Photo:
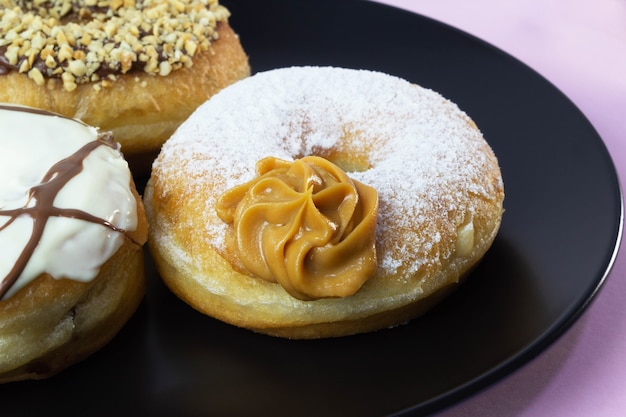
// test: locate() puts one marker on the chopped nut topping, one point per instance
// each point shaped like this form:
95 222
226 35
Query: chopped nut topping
83 41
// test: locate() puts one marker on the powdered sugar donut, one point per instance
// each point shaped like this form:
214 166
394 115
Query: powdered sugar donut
214 208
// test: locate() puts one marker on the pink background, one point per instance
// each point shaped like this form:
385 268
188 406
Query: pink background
579 46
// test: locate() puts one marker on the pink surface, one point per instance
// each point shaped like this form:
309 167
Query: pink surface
579 46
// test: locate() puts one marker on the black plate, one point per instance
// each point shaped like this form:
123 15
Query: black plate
558 240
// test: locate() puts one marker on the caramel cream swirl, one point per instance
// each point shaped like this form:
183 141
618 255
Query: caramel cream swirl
305 225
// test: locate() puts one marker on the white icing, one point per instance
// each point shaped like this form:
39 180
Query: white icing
425 155
69 248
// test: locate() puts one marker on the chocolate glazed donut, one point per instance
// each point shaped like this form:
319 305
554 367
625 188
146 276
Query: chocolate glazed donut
135 68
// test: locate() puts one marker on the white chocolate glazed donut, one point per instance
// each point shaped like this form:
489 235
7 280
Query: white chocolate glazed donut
71 231
440 195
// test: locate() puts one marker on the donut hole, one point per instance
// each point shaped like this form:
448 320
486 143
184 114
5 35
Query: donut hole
348 160
349 165
343 145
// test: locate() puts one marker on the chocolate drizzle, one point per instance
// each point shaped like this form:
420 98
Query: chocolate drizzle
41 200
32 110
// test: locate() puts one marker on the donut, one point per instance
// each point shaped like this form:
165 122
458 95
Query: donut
72 228
312 202
137 68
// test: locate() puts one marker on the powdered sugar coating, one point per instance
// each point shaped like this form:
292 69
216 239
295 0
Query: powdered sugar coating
421 152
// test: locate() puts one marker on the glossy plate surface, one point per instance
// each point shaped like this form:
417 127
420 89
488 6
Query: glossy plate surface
558 240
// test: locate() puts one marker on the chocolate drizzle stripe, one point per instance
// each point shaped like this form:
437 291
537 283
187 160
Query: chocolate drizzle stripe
43 195
31 110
